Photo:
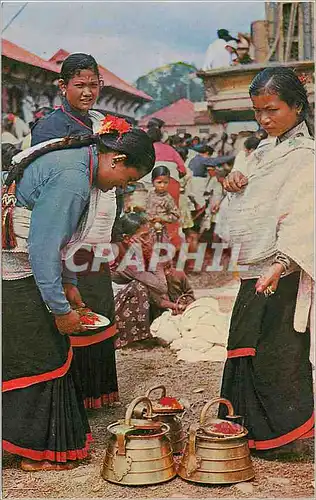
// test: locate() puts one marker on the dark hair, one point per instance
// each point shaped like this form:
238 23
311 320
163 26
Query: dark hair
159 171
205 149
183 152
155 123
285 83
175 140
135 144
261 134
155 134
75 63
225 35
252 142
7 153
130 222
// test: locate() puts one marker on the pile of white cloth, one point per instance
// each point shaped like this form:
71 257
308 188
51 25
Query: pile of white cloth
198 334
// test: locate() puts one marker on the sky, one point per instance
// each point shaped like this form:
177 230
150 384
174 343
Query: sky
129 38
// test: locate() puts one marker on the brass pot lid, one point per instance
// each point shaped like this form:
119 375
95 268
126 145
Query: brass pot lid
165 404
223 429
135 423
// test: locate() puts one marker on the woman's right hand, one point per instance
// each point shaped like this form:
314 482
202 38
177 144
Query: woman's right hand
235 181
73 296
69 323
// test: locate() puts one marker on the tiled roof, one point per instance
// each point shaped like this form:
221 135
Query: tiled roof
179 113
13 51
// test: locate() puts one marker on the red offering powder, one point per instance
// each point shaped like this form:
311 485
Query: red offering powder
87 317
170 402
226 428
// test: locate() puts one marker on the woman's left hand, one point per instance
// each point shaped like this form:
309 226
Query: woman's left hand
73 296
178 309
181 308
270 279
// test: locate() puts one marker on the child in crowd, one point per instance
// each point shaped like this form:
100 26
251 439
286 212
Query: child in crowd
161 208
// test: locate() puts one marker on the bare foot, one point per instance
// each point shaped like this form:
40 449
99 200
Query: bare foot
29 465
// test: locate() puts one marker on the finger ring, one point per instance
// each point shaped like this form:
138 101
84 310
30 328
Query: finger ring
269 291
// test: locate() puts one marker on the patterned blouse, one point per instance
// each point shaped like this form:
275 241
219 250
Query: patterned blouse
162 205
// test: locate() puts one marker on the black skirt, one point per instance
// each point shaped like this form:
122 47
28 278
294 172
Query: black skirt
33 350
43 416
268 377
94 353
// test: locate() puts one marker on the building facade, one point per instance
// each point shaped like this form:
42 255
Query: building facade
184 116
29 82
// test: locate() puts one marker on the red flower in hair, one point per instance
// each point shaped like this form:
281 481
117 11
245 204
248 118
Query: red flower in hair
114 124
11 117
303 78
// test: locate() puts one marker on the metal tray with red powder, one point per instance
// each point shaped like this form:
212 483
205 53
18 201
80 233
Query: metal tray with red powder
92 320
222 428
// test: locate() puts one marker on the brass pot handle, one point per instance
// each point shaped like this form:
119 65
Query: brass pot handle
213 402
193 461
131 407
192 437
154 388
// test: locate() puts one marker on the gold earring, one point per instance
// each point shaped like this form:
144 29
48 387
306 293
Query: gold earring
116 159
298 112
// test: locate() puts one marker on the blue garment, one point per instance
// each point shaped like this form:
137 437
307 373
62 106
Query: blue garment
56 187
199 164
60 124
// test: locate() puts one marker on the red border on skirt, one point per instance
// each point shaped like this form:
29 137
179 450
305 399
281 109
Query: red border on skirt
85 340
22 382
309 434
53 456
300 432
243 351
103 400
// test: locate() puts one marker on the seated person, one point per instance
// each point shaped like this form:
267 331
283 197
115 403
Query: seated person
144 295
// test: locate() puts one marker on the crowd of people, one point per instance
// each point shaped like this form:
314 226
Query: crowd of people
89 179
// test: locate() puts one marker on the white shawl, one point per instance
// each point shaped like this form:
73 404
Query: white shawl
96 225
275 211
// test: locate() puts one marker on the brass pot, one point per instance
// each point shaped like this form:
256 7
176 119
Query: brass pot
170 416
139 451
211 458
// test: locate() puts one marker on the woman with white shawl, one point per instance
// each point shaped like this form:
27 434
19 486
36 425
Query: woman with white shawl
268 374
